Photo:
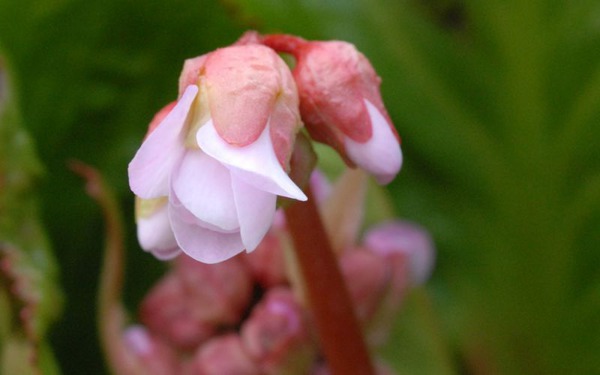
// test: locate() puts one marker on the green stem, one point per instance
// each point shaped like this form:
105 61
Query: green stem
340 335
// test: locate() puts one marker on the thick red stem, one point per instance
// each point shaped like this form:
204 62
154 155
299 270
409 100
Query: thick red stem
339 331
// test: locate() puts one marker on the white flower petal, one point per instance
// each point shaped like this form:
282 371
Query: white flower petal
204 245
203 186
152 164
256 209
381 155
255 163
155 235
166 254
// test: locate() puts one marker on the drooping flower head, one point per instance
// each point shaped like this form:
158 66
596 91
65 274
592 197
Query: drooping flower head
217 161
341 104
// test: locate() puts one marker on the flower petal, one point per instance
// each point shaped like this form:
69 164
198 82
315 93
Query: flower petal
256 209
204 245
380 155
243 83
155 234
166 254
151 166
256 163
203 186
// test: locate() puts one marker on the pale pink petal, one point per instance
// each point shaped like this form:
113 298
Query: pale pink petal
203 186
167 253
381 155
255 212
151 166
155 234
256 163
204 245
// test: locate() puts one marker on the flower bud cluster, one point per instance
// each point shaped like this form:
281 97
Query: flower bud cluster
213 163
245 315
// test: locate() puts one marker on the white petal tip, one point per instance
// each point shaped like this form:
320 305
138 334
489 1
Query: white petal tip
300 196
166 254
381 155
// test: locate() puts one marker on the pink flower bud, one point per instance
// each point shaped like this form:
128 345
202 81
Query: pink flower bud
188 305
168 313
267 262
408 251
277 335
220 155
341 106
223 355
152 357
221 291
406 240
367 277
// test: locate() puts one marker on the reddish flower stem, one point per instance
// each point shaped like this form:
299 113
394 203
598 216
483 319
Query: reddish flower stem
339 331
284 43
111 312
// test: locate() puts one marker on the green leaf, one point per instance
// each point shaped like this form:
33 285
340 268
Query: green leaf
29 293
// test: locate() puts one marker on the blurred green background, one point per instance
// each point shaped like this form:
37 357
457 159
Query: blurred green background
498 106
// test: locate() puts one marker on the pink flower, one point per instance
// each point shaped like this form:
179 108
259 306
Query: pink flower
219 157
341 106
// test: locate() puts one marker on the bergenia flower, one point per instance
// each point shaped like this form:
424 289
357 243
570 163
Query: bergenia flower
220 155
341 106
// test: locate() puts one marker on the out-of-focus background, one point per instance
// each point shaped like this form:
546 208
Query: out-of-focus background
498 106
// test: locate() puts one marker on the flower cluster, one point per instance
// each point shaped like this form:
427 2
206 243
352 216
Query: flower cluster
245 316
213 163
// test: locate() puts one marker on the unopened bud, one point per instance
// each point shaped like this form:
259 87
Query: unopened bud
222 291
404 239
194 299
341 106
267 262
367 277
277 335
152 356
223 355
408 251
167 311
